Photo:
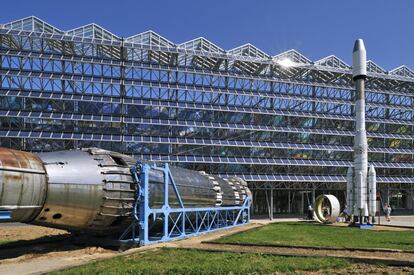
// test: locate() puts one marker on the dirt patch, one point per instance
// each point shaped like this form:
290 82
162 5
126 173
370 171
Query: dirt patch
391 228
19 232
73 252
33 263
366 269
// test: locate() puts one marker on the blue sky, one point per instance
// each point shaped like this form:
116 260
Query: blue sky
316 28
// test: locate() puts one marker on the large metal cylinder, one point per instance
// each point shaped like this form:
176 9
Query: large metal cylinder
198 189
93 190
23 184
90 189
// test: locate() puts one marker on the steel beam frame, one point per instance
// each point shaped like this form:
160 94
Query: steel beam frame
177 223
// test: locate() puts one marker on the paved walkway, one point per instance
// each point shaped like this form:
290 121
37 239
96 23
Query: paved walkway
398 221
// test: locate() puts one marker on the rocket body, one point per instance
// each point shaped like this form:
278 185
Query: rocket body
359 73
360 149
361 191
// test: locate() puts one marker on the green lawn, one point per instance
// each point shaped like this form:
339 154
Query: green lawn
183 261
312 234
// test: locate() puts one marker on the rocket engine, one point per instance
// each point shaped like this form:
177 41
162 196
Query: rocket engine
92 190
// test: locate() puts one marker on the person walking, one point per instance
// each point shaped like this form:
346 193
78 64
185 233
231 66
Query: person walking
387 210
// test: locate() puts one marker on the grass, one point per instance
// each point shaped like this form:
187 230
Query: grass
311 234
5 241
183 261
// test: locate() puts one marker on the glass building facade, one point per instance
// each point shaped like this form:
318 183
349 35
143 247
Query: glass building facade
284 123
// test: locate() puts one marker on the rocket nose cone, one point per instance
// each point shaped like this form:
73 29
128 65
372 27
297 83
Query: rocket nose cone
359 45
371 169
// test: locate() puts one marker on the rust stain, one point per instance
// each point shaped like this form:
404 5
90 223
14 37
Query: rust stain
19 159
8 177
7 158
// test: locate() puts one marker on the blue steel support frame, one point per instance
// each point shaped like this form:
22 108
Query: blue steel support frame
178 222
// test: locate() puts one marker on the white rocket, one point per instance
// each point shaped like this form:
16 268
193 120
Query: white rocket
361 191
